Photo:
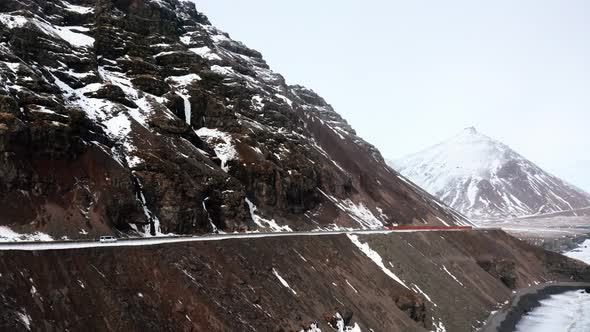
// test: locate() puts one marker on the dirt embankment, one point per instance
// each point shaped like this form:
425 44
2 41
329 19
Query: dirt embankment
454 280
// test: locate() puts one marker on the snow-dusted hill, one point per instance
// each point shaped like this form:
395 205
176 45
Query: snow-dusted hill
485 179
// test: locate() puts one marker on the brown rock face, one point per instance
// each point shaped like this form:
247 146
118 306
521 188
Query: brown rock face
151 84
504 270
144 118
113 93
416 310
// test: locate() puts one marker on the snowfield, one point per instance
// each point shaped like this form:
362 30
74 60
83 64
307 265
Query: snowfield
582 252
566 312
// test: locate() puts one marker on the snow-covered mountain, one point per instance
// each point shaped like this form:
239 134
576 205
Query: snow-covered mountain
485 179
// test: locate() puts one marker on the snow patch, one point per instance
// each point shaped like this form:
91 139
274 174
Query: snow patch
25 319
77 9
300 255
71 34
351 286
418 290
341 326
284 99
223 71
283 281
8 235
118 126
74 36
314 327
257 103
265 223
13 21
184 80
375 257
452 276
222 145
13 66
439 326
206 53
358 212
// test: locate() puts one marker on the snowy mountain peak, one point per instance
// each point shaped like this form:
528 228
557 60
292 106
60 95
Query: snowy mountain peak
485 179
471 134
470 130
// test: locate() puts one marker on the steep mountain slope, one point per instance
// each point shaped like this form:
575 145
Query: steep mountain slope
139 116
485 179
451 282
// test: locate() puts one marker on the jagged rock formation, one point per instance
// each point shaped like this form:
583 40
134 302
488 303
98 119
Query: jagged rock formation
485 179
141 117
453 280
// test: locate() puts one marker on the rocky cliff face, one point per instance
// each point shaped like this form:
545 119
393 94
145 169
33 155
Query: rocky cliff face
485 179
139 116
443 281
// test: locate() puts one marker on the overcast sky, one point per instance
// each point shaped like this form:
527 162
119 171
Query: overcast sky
408 74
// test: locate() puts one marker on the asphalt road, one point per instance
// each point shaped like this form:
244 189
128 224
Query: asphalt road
76 244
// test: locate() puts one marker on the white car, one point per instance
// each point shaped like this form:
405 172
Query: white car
108 238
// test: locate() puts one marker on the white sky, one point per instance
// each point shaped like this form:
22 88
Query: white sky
408 74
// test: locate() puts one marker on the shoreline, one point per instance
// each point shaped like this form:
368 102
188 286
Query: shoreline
524 301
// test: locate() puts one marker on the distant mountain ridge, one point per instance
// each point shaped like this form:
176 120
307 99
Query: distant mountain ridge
485 179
